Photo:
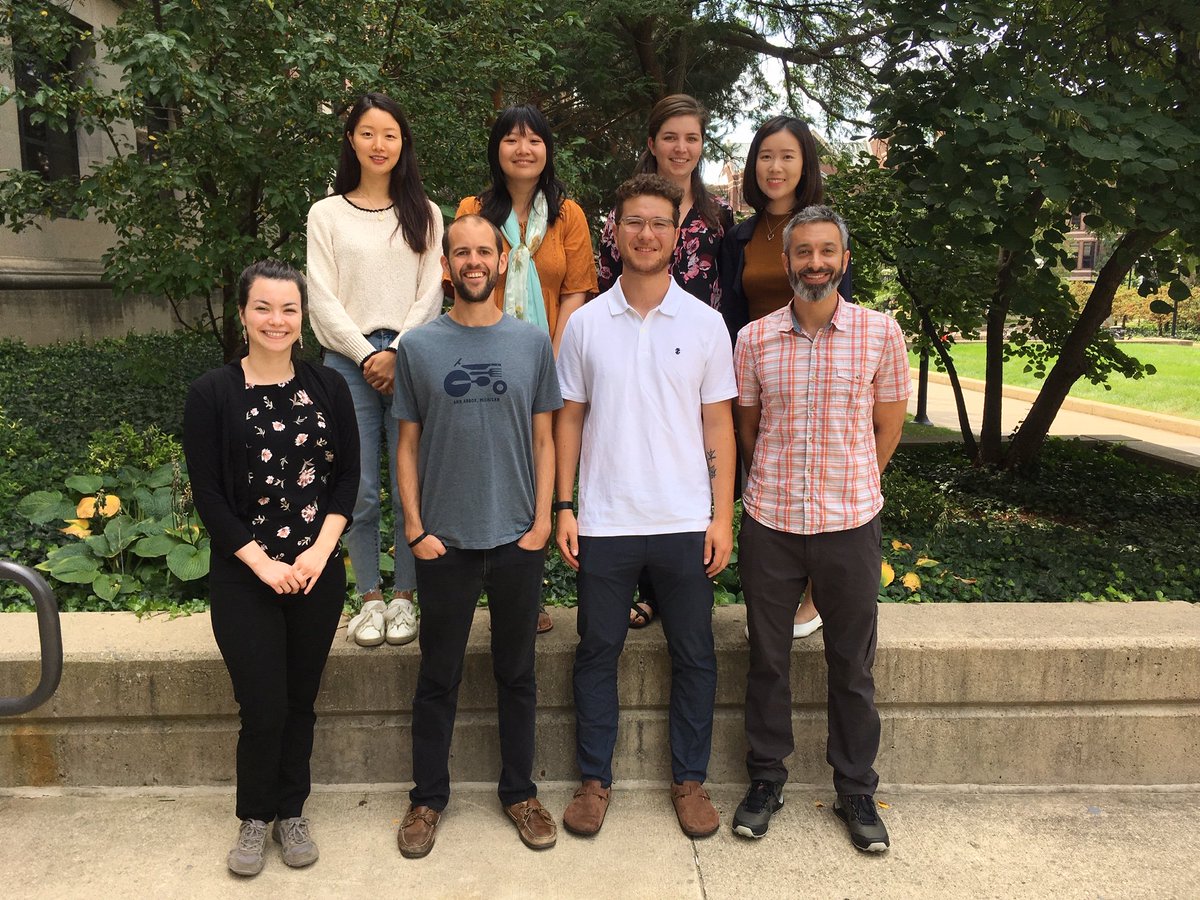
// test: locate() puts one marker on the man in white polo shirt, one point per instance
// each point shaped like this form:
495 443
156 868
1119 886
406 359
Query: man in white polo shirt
647 377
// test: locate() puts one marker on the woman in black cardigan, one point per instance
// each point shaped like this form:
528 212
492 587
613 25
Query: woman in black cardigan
272 452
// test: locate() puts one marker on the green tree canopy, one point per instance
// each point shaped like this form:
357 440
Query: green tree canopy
1003 119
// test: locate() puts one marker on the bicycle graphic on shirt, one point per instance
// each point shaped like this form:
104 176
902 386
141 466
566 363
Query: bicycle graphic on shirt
460 379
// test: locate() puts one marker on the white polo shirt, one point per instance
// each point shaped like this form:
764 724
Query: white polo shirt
642 468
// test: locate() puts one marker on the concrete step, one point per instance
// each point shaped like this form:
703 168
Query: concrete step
1025 694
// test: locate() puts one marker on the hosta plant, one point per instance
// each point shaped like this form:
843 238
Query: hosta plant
133 538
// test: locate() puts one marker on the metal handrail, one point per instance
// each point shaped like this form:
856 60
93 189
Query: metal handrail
49 633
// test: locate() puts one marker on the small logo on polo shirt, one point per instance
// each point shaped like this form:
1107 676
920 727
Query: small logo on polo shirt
676 351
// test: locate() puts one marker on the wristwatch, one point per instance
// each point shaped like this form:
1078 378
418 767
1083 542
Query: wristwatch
563 504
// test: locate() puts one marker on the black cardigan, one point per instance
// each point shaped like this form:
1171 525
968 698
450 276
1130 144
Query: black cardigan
732 260
216 459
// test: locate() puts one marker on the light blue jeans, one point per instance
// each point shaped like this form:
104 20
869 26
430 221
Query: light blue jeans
376 428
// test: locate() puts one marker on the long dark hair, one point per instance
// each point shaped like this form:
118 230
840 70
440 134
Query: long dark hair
496 202
413 215
668 108
809 190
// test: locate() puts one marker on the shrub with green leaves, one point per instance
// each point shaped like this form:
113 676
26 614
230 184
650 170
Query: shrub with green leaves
133 540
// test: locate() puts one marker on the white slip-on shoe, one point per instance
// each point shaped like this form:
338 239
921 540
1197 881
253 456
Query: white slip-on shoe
804 629
366 629
400 622
799 629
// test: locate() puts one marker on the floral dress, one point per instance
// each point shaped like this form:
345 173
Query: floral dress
694 264
290 458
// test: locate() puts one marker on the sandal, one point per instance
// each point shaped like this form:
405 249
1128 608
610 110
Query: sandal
639 617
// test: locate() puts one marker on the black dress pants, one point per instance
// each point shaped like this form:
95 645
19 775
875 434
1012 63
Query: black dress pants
448 588
275 647
844 567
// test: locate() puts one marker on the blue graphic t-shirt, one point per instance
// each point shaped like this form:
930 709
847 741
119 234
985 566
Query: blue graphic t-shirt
475 391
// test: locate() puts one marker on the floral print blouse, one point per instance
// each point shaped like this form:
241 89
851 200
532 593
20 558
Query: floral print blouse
290 458
694 264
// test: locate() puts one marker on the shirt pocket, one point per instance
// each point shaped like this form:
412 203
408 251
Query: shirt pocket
848 388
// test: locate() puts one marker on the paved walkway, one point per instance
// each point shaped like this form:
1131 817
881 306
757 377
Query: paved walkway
951 843
943 413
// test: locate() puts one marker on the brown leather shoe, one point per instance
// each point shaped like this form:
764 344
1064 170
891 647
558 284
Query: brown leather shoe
534 824
585 814
417 831
697 816
545 623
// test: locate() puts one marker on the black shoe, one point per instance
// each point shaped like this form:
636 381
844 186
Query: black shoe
866 828
754 813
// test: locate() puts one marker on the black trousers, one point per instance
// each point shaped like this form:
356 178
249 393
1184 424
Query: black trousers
844 567
609 568
448 588
275 647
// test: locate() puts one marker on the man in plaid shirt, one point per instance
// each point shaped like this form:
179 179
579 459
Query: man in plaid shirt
822 390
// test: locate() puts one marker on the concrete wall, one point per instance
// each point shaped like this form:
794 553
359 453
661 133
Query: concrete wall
969 694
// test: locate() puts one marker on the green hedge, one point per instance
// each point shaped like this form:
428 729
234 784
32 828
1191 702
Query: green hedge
1087 524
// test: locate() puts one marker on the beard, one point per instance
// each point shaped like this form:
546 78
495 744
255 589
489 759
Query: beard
471 293
813 293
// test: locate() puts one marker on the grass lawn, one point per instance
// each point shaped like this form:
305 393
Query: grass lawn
1173 389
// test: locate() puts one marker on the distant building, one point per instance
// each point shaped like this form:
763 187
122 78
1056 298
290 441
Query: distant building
1088 249
51 278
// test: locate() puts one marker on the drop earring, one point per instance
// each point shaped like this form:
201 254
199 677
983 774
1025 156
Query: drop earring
302 340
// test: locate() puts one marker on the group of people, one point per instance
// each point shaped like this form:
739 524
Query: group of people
490 410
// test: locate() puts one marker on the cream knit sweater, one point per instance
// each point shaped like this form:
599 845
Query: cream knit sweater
363 276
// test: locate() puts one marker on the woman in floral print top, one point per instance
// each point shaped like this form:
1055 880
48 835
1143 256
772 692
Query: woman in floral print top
273 457
674 147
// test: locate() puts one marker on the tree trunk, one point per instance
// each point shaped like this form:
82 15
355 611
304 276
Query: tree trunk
930 331
231 337
993 389
1072 360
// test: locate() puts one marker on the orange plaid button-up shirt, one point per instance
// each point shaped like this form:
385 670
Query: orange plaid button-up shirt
815 468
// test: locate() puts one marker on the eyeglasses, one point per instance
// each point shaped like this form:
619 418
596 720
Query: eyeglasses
635 224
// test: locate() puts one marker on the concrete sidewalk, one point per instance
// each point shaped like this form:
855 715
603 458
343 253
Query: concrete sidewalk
942 412
164 843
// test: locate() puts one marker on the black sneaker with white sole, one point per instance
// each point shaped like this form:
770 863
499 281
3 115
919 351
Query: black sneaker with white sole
754 812
862 819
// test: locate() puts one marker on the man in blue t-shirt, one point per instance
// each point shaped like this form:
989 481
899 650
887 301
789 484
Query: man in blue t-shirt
474 394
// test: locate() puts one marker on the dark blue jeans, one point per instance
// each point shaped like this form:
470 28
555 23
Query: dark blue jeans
608 573
449 587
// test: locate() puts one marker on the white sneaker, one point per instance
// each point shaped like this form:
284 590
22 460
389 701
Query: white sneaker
367 627
799 629
400 621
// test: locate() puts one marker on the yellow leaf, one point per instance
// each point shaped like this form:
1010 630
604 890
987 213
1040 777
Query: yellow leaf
818 804
88 507
77 528
887 575
900 545
883 805
912 581
925 562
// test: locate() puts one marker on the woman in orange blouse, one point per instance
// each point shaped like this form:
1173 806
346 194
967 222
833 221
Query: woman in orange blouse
551 266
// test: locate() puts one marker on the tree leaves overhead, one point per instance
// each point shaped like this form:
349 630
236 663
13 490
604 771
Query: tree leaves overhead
1003 119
